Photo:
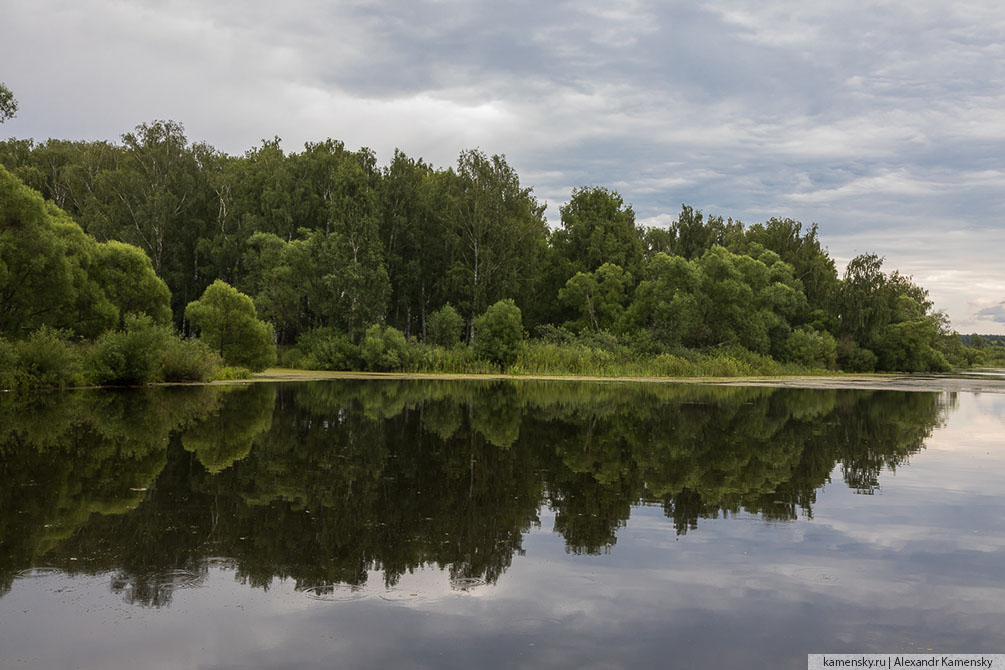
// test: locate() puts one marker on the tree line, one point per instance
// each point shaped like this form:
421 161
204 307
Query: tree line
349 264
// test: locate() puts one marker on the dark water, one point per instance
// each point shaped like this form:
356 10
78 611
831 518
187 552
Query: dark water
457 524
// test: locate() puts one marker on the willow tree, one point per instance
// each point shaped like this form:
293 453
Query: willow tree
53 274
227 322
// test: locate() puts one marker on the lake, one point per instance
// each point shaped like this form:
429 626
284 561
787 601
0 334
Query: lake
459 524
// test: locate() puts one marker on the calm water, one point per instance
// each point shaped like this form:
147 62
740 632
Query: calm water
457 524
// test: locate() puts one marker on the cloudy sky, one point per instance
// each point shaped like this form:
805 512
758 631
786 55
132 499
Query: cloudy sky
883 122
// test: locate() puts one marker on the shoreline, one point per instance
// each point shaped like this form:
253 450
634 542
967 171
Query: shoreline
963 382
966 382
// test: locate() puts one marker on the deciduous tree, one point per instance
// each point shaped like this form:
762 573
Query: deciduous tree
227 322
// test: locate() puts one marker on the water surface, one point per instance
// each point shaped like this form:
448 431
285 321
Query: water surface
507 524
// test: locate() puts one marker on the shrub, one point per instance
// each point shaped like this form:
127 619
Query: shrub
48 359
132 356
854 358
554 334
384 348
10 365
189 361
812 348
499 332
444 327
325 349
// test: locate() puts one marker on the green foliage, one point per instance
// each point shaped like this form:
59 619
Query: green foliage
719 299
444 327
325 238
48 359
129 357
272 278
907 346
597 228
810 262
142 353
854 358
230 372
351 282
36 273
691 235
599 297
53 274
496 234
413 227
455 360
8 105
811 348
384 349
188 361
10 365
889 317
228 323
499 332
127 277
976 350
327 349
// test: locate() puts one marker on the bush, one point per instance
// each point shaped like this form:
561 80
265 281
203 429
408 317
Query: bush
10 365
444 327
325 349
189 361
499 332
854 358
48 359
384 349
132 356
552 334
935 361
812 348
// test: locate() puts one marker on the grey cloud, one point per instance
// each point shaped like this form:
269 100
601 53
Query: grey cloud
864 119
995 313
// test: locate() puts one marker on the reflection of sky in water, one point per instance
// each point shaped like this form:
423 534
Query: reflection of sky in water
917 565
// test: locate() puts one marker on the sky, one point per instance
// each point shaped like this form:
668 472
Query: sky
883 121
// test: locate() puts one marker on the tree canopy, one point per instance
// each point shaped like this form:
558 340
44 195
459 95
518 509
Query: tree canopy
53 274
324 240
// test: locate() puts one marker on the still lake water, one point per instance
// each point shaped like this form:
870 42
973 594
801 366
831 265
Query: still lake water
386 524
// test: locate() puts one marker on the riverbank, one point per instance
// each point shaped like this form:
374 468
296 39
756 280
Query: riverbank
974 382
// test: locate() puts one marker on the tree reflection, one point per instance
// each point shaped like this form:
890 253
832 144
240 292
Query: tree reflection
67 459
323 483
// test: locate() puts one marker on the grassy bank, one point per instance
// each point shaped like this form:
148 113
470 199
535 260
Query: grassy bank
535 357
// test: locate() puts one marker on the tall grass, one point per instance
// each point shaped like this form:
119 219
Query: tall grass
555 352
